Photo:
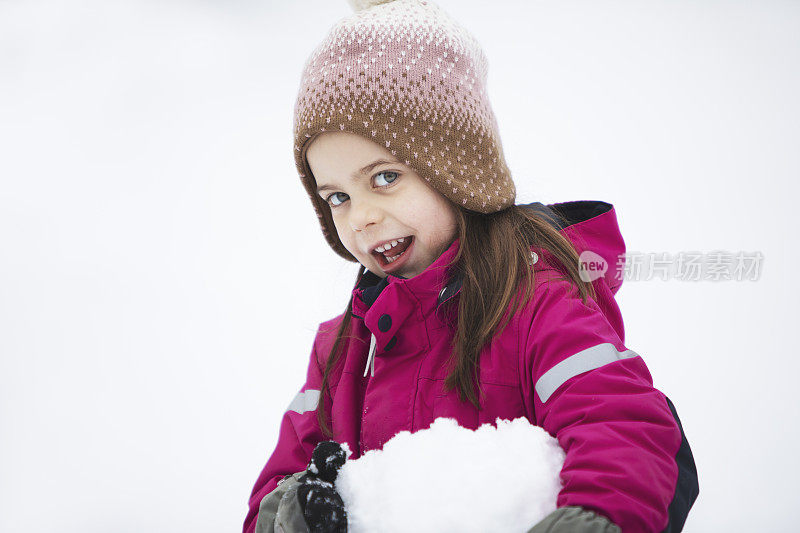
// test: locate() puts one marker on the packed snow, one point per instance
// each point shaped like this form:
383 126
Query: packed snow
449 478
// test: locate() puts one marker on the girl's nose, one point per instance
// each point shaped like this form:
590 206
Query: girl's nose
364 213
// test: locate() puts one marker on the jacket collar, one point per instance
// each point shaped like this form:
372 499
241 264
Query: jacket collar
432 287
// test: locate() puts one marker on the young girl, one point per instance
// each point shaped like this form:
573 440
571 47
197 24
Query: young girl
465 305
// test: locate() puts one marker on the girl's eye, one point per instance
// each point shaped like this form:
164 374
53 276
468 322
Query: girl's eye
387 172
332 198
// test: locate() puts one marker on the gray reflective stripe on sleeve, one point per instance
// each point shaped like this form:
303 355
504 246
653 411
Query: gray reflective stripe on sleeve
304 401
581 362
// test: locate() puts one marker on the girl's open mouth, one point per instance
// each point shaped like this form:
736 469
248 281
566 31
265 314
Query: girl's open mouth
394 258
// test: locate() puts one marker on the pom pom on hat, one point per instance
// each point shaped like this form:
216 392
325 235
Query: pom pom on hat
361 5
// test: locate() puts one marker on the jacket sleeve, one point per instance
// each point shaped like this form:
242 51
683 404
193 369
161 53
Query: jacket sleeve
626 455
299 434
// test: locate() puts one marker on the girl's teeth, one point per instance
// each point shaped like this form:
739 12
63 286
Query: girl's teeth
389 245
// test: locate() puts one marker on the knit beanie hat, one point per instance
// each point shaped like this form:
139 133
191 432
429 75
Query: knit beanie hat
405 75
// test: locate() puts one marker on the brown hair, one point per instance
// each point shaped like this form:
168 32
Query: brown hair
493 259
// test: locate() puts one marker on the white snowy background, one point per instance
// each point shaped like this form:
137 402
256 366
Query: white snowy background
162 273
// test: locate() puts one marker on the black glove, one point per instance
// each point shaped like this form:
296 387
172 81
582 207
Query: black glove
323 508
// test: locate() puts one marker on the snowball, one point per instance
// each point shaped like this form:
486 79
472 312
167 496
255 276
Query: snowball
449 478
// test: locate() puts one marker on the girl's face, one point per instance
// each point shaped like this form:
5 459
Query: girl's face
374 200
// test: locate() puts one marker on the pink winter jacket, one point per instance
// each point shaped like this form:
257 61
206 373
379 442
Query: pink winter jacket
559 362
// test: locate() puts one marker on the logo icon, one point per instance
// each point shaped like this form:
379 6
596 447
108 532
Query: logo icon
591 266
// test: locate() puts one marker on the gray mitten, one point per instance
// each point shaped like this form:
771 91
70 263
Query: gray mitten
279 511
574 519
307 502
